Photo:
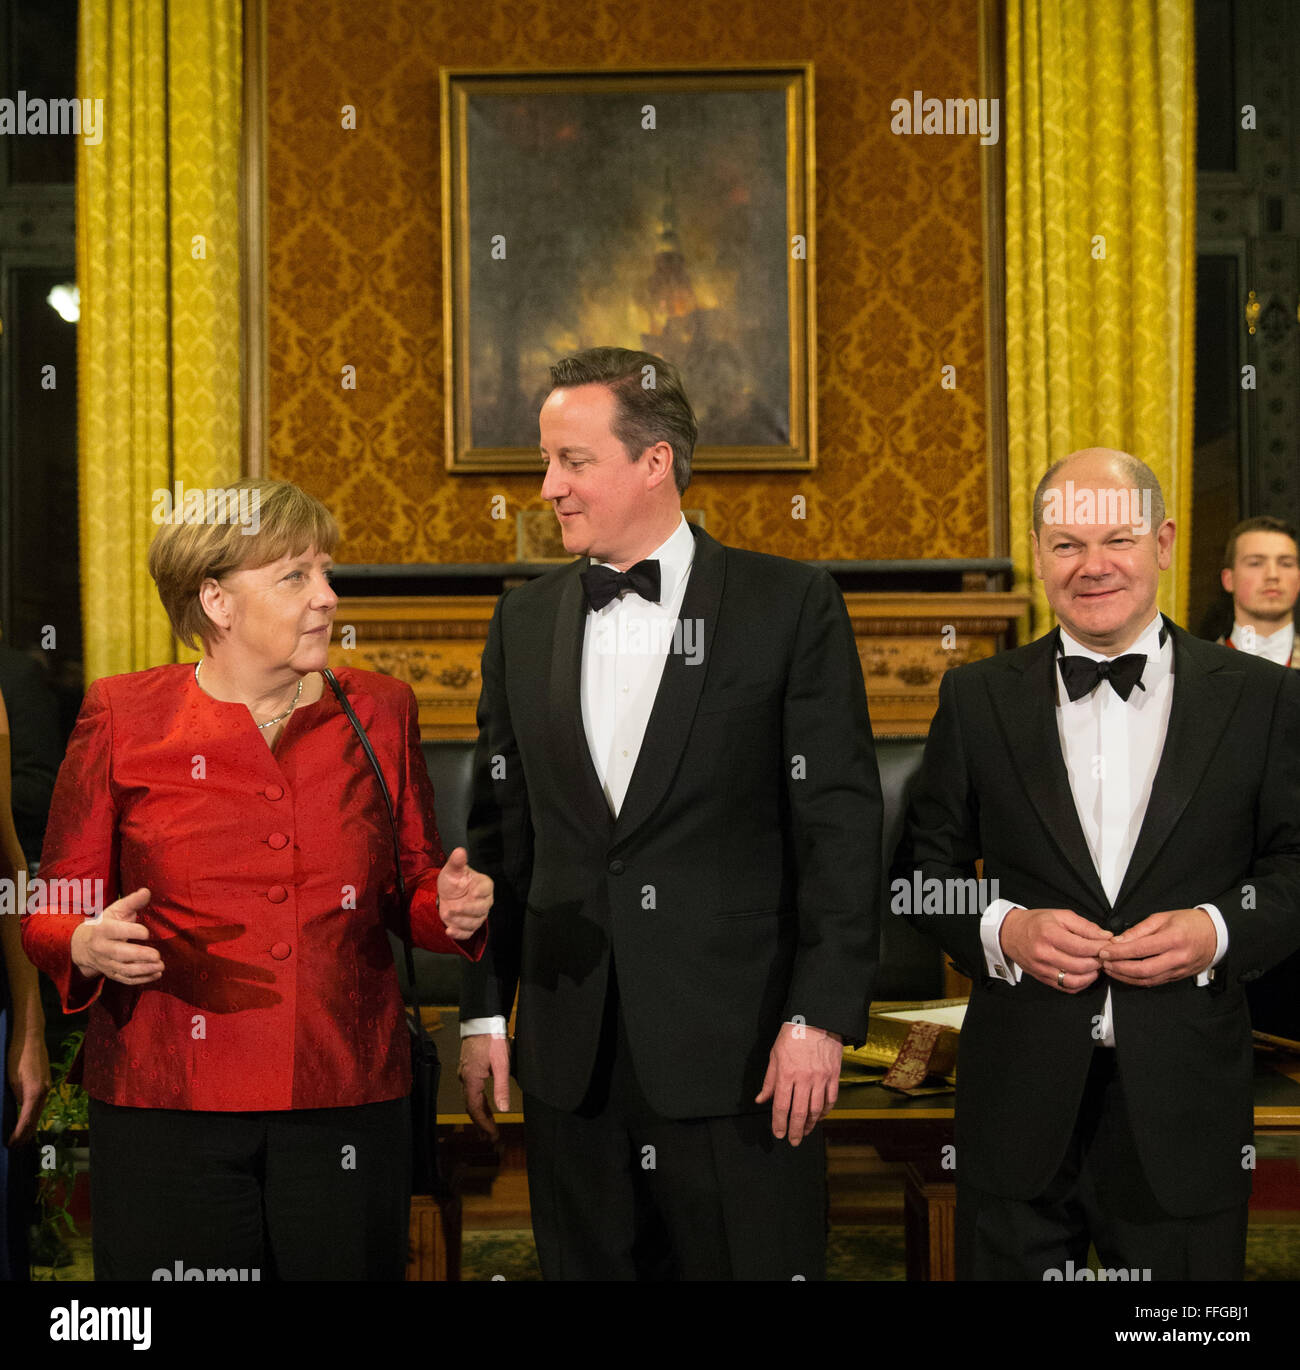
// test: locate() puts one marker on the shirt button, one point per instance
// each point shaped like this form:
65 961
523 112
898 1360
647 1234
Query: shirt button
281 951
616 868
625 689
274 792
277 840
277 894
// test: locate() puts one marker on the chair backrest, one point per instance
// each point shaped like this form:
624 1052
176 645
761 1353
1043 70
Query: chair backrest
911 966
451 768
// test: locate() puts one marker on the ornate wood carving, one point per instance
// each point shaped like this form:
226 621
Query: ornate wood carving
906 642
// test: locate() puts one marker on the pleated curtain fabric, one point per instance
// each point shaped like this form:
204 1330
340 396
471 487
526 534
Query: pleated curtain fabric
158 270
1100 251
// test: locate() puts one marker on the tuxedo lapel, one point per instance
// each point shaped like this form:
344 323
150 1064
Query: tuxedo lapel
679 692
1206 689
1024 701
570 755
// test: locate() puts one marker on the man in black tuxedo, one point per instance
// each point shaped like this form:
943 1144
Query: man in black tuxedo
676 796
1261 571
1134 792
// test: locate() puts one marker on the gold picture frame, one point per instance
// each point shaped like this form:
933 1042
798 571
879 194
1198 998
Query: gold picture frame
666 210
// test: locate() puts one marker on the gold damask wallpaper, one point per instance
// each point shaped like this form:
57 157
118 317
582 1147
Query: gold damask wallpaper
355 265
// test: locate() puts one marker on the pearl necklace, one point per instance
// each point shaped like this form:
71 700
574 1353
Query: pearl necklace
279 718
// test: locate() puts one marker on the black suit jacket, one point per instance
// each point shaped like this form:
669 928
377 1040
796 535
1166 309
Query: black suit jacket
1222 827
739 886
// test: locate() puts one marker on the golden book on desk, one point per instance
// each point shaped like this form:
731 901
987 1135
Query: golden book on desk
909 1041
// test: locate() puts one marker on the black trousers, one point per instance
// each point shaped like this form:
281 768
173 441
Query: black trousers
619 1192
1099 1194
304 1194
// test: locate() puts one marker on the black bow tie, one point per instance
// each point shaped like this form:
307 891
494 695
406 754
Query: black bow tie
1082 675
602 583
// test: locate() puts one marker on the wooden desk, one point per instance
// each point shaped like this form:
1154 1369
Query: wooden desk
914 1131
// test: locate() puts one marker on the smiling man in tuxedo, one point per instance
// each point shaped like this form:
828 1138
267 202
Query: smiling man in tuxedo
1135 794
676 793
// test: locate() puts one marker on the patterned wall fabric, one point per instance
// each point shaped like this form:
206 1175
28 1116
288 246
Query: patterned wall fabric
355 265
158 268
1100 145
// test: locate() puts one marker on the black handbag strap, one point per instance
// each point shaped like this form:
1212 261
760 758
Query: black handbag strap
342 698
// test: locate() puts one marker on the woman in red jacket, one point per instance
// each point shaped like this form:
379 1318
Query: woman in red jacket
246 1055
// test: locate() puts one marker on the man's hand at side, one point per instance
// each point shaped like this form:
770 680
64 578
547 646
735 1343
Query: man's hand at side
802 1080
1162 947
481 1056
1045 942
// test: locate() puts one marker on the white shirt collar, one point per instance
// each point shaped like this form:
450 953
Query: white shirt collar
1148 643
674 555
1275 646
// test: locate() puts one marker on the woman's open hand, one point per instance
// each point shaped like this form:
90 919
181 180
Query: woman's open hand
110 944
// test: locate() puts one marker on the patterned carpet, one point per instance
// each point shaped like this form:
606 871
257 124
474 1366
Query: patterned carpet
859 1253
853 1253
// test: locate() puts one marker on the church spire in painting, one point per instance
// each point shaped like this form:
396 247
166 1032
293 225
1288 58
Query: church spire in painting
668 292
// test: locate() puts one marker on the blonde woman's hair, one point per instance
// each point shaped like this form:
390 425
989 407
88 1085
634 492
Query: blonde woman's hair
187 550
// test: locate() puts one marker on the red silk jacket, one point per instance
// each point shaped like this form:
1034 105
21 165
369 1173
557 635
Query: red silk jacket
268 874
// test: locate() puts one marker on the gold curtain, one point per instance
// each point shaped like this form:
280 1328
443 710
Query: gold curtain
158 270
1100 159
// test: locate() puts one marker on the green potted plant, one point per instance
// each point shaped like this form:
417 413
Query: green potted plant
63 1160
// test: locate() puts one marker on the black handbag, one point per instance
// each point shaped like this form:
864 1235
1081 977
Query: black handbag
426 1069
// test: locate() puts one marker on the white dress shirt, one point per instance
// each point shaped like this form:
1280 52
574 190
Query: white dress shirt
1276 646
1112 750
625 647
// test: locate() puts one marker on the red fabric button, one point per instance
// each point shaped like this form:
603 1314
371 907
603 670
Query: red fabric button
277 894
277 840
274 792
281 951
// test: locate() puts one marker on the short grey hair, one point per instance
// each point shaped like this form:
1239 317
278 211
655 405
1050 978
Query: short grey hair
1136 472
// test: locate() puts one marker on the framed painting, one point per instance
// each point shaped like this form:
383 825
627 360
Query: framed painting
669 212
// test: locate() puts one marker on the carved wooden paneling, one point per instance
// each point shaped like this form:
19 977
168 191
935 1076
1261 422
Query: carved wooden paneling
906 642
